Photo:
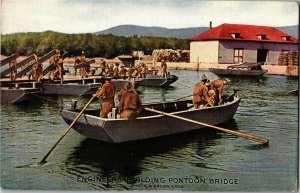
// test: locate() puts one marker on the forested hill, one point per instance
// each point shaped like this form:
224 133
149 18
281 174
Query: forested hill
108 46
183 33
119 40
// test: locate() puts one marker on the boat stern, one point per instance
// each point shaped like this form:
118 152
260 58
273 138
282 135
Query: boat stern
87 125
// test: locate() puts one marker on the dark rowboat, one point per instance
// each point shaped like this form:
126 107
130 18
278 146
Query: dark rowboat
245 69
148 124
156 81
152 81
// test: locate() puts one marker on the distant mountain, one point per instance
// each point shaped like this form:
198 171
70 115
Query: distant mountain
291 30
131 30
181 33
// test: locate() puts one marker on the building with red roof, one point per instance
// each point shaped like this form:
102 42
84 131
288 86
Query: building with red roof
238 43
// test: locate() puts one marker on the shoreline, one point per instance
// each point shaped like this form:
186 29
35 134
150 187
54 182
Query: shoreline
272 69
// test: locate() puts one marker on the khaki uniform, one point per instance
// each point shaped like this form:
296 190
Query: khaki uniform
144 72
218 86
129 104
59 67
200 96
130 72
12 75
103 67
139 71
107 92
212 96
110 70
116 70
84 71
122 71
164 69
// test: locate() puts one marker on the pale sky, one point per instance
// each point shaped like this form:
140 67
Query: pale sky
83 16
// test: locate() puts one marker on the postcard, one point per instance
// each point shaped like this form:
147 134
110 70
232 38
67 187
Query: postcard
170 95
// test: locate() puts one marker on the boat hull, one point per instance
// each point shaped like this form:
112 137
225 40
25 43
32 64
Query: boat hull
231 72
15 95
157 81
75 89
121 130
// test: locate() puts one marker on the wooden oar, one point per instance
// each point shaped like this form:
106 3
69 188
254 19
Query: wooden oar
185 97
67 130
247 136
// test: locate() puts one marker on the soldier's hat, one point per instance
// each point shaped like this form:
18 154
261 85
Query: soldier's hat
35 66
204 77
227 80
128 86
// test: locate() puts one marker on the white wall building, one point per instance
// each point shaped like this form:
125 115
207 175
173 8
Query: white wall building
236 43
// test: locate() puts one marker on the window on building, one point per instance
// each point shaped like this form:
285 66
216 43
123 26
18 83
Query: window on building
238 55
286 38
262 36
235 35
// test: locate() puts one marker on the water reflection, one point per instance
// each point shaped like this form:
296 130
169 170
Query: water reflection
126 159
257 146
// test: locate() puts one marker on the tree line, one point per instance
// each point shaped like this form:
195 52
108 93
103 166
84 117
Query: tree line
107 46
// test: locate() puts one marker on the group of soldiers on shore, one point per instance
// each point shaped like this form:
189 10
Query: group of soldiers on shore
141 70
36 72
138 71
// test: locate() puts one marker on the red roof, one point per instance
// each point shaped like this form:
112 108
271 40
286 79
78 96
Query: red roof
246 33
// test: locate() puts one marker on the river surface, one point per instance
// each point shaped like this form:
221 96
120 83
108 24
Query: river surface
203 160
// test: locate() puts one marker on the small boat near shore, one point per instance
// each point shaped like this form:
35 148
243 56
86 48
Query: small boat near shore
149 124
244 69
76 87
156 81
16 95
150 81
18 92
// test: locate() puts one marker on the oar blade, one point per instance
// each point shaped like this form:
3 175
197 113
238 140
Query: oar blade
243 135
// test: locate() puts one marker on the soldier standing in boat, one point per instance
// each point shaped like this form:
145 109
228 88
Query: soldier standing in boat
116 70
130 72
123 71
103 67
84 71
200 94
130 102
164 68
107 93
36 72
12 75
144 71
59 66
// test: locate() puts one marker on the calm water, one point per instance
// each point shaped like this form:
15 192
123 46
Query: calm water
202 160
